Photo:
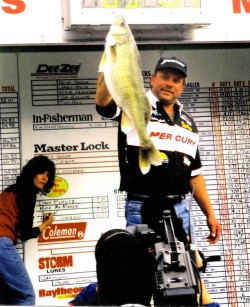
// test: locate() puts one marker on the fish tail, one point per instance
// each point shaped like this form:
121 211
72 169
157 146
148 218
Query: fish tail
148 156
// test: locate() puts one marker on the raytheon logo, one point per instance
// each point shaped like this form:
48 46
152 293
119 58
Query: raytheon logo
63 232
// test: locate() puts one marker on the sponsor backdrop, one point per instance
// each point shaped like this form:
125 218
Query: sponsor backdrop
47 107
61 122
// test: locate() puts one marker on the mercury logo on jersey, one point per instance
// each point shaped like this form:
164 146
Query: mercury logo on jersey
168 138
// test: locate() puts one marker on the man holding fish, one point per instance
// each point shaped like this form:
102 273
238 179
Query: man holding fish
165 161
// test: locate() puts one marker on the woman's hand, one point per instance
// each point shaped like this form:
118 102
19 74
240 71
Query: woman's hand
48 219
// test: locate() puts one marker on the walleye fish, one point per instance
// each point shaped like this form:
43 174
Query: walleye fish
121 65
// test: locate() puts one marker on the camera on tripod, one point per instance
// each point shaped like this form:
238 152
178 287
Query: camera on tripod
176 276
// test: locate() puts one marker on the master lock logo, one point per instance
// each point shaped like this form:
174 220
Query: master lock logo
63 232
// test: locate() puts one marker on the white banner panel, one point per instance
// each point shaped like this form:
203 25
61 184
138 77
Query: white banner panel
44 21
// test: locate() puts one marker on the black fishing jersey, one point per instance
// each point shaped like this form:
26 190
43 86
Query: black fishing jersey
178 145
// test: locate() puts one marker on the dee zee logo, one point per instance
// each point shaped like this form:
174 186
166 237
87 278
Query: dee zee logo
62 68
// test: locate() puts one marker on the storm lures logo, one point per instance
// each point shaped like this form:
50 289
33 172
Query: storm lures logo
55 262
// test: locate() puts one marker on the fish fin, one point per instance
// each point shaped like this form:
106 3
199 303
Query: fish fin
110 41
144 162
102 63
149 111
125 123
149 156
155 157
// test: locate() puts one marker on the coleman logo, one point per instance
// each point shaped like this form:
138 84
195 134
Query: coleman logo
63 232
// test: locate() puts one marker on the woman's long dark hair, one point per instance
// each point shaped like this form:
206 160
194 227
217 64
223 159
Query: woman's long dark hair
35 166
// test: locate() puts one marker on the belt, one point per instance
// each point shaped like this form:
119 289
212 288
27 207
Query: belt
139 197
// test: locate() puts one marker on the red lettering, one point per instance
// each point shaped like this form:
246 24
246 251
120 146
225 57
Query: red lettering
165 136
59 291
41 264
55 262
237 6
162 136
154 134
19 6
184 140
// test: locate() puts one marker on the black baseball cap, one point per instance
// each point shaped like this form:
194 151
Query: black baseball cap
172 62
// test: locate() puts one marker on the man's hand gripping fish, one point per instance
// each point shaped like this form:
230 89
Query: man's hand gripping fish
121 65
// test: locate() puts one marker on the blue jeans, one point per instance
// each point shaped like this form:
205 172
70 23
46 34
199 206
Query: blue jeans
15 285
133 215
87 292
